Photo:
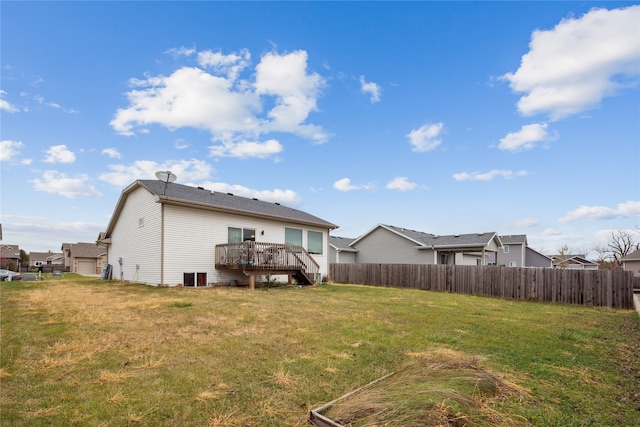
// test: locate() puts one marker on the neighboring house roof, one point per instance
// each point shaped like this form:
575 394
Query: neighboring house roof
85 250
633 256
10 251
573 259
434 241
514 239
342 243
198 197
44 256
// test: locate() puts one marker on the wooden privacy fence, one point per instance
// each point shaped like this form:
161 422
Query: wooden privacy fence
605 288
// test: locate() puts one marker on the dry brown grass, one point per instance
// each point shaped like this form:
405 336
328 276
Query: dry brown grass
435 388
95 353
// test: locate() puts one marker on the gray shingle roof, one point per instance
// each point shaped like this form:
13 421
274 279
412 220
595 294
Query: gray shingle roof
226 201
86 250
341 243
633 256
514 239
428 240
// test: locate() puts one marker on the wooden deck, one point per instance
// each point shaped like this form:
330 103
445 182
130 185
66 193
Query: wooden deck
261 258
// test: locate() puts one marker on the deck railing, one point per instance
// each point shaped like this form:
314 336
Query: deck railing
262 256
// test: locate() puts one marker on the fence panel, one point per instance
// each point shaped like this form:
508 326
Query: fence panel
605 288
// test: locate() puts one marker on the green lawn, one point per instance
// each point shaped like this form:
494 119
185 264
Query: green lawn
79 351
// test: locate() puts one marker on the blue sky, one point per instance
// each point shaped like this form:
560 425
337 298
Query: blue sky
443 117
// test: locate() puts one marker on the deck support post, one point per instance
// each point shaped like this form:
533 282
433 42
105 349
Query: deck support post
289 277
252 282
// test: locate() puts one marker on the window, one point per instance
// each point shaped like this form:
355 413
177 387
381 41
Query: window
314 242
248 234
293 236
235 235
238 235
505 249
140 222
513 264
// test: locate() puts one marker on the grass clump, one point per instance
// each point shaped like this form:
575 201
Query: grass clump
437 388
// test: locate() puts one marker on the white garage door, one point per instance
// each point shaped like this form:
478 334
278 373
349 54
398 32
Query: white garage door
86 267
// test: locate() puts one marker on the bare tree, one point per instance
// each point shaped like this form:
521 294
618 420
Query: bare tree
621 244
562 251
604 258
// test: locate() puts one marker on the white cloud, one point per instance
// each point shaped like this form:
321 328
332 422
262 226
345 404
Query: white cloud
59 154
9 149
40 100
401 183
285 197
487 176
526 138
186 170
427 137
6 106
180 144
229 108
246 149
345 185
371 89
59 183
176 52
549 232
112 152
571 67
189 97
42 233
595 213
527 222
285 77
230 65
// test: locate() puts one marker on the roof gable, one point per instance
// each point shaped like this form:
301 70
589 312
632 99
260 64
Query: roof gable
514 239
426 240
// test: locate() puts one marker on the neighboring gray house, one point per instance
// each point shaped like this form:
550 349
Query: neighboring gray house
84 258
631 262
574 262
388 244
340 251
517 253
173 234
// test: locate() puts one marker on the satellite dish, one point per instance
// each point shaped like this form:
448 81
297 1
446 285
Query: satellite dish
166 176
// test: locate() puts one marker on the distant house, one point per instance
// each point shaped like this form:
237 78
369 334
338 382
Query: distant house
631 262
389 244
575 262
84 258
9 256
172 234
40 259
340 251
517 253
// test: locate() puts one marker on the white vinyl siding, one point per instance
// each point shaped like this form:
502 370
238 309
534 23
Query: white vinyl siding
192 234
137 245
190 237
